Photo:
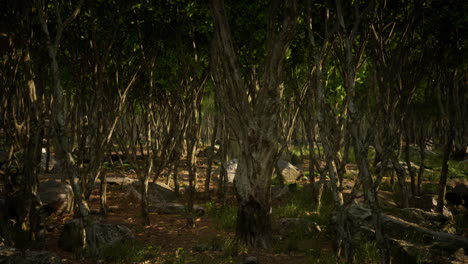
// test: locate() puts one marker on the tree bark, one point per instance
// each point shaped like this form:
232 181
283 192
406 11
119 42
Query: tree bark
254 123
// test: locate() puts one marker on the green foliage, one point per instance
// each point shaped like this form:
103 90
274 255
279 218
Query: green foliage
296 206
366 252
223 217
129 251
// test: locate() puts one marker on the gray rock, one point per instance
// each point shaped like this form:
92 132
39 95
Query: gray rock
279 192
120 180
230 167
359 212
98 236
288 172
175 208
157 192
287 226
57 197
15 256
250 260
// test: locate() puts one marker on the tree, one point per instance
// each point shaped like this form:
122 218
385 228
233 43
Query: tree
253 120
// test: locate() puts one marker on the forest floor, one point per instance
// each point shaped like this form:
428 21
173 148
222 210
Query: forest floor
167 240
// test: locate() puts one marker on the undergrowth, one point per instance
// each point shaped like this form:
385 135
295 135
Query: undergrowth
129 251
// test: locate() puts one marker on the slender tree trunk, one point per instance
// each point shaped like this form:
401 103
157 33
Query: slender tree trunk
444 170
408 164
175 175
211 156
422 156
103 193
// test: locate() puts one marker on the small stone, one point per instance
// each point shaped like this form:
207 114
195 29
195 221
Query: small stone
250 260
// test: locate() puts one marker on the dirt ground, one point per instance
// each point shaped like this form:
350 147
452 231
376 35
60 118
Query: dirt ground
168 232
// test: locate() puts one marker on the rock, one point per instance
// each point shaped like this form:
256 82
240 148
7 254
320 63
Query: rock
289 225
175 208
230 167
435 221
250 260
57 197
157 192
457 192
98 236
358 212
10 255
428 203
120 180
288 172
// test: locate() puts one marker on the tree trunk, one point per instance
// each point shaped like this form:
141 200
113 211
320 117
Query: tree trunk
103 193
253 223
408 164
211 156
444 170
422 156
254 124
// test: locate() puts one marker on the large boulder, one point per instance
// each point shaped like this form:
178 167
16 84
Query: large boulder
157 192
288 172
57 197
287 226
98 236
230 168
10 255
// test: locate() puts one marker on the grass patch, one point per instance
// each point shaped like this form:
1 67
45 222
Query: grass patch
296 206
223 217
367 252
129 251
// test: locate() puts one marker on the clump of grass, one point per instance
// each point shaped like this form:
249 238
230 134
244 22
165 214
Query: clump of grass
223 217
367 252
297 205
129 251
